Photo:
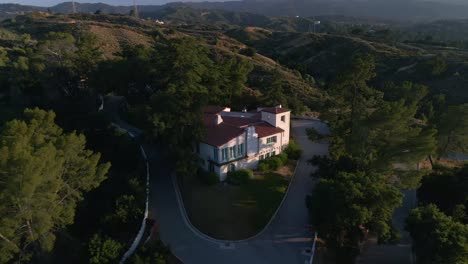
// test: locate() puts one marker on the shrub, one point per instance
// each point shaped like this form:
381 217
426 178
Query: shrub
208 178
293 150
263 166
248 52
283 157
240 177
274 163
103 249
313 135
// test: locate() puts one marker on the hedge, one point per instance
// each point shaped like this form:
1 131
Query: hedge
293 150
240 177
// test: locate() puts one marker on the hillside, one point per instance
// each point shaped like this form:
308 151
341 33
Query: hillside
115 32
324 55
393 10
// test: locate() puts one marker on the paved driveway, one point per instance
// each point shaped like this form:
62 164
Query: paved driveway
283 241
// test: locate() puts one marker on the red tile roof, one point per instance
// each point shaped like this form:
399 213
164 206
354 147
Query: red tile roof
275 110
221 134
265 130
234 126
239 121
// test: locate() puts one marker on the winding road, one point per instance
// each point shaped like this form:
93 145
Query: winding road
284 240
287 236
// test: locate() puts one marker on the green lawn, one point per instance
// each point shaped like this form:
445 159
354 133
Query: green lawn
234 212
265 193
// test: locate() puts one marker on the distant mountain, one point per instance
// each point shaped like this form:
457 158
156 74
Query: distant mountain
12 10
402 10
408 10
67 7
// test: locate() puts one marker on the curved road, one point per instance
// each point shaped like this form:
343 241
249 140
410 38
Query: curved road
283 241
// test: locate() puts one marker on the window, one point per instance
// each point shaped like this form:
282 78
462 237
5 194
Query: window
233 152
273 153
211 167
271 140
232 167
240 150
215 154
224 154
283 118
262 157
267 155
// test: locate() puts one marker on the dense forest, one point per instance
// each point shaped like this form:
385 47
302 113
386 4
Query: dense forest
391 99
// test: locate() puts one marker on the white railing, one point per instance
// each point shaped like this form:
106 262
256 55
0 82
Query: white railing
139 236
312 251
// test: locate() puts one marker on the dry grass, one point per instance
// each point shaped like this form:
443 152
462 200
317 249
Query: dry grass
113 39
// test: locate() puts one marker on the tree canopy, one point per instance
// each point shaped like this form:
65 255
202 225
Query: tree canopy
437 238
372 131
344 206
43 174
448 189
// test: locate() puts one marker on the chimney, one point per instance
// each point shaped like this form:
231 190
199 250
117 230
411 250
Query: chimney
218 119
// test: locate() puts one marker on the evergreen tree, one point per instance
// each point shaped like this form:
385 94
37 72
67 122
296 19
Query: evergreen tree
274 94
103 250
43 174
345 205
446 188
452 129
437 238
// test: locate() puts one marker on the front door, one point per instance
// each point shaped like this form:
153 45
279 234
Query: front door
232 167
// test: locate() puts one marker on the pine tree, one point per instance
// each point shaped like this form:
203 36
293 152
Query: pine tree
43 174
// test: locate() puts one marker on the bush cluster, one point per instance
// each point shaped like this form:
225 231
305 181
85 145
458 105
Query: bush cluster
248 52
240 177
313 134
273 163
208 178
293 151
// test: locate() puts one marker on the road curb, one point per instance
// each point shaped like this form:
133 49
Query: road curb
206 237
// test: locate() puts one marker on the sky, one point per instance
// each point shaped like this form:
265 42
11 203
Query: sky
159 2
110 2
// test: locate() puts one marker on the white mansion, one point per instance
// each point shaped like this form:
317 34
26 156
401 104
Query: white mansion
236 140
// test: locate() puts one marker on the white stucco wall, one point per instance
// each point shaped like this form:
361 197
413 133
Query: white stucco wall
267 148
275 120
286 125
253 146
252 142
206 153
269 118
233 142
